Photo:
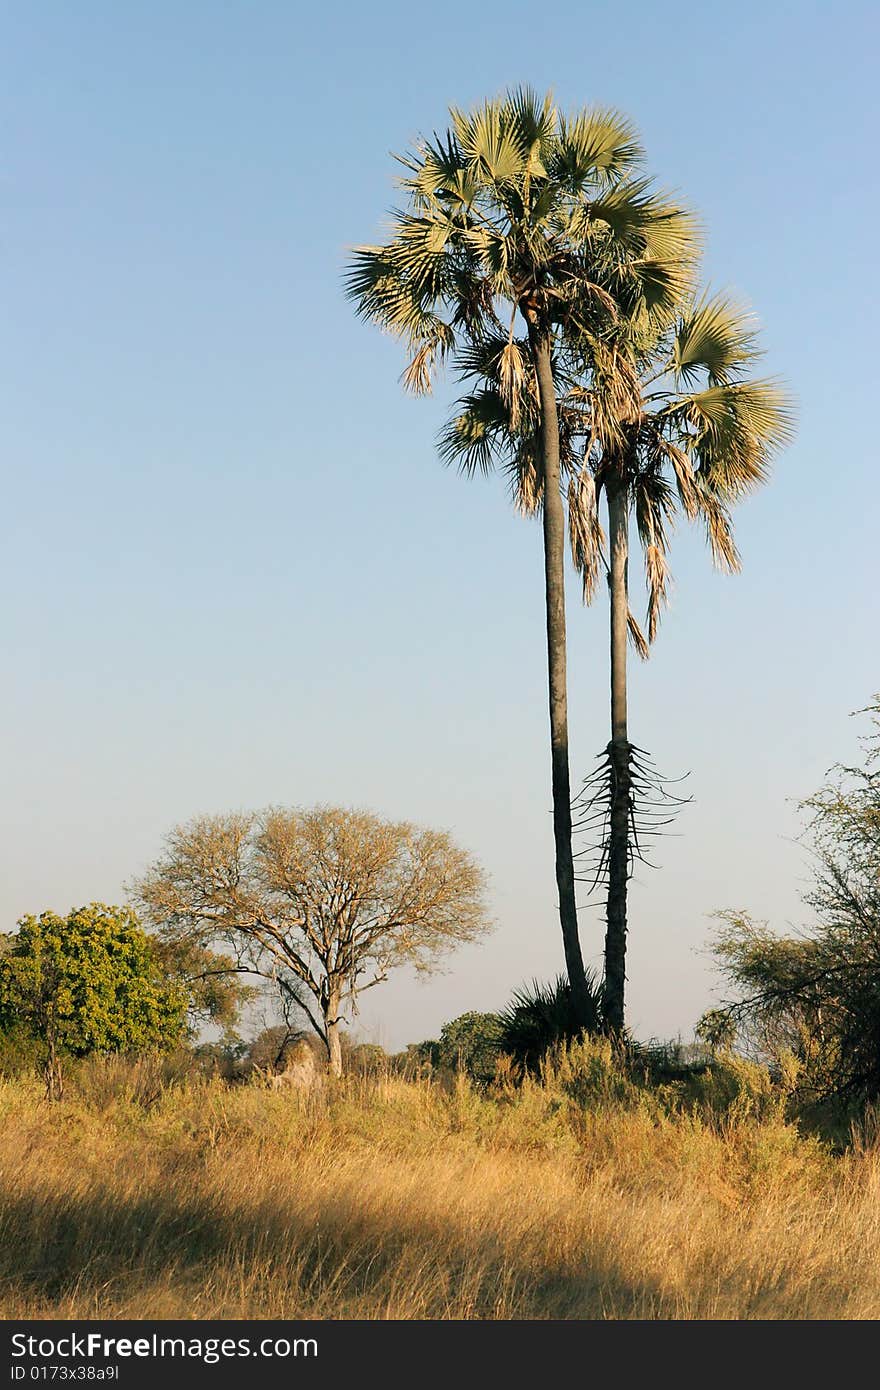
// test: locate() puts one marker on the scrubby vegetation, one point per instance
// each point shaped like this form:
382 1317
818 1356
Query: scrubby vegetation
813 997
161 1191
517 1167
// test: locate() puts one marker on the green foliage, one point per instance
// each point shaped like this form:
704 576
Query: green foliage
367 1059
597 1076
816 996
214 987
222 1057
732 1090
89 982
471 1043
541 1016
421 1054
594 1074
717 1029
19 1052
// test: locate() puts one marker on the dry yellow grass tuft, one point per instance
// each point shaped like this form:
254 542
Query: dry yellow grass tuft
572 1198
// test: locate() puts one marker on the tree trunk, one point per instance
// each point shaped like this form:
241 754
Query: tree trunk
554 584
619 756
334 1039
53 1073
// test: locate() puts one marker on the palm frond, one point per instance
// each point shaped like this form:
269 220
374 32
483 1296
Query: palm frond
535 120
525 473
477 437
595 146
511 377
734 430
386 294
719 531
585 532
657 575
636 636
655 452
716 336
490 141
437 167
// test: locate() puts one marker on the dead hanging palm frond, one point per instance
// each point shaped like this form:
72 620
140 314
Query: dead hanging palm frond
719 532
651 809
431 351
654 506
527 476
416 376
664 449
655 510
636 636
613 396
511 377
657 574
585 530
586 305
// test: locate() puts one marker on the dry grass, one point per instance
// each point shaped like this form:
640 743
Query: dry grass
576 1198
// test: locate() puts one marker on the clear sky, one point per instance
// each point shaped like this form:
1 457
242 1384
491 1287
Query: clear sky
234 571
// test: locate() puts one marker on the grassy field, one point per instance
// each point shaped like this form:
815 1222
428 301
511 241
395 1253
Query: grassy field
582 1196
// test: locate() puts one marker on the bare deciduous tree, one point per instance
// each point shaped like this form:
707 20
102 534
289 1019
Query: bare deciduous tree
322 902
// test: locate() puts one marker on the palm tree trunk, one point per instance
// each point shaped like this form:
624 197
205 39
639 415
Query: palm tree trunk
554 586
619 758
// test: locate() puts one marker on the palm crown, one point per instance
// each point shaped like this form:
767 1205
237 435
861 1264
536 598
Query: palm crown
670 411
700 433
520 209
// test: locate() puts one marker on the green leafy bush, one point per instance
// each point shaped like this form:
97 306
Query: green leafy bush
90 982
471 1043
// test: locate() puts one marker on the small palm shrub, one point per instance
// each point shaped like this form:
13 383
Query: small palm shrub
541 1016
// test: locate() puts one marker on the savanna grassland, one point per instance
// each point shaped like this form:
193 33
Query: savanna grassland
583 1194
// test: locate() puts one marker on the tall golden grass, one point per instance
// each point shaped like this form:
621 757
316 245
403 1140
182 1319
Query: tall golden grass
576 1196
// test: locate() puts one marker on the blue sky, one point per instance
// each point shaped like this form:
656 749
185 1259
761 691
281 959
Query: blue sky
235 572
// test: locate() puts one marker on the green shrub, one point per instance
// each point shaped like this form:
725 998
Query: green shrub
593 1073
419 1055
367 1059
90 982
471 1043
20 1053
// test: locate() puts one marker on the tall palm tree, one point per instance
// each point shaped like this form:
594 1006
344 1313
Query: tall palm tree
696 433
521 218
661 419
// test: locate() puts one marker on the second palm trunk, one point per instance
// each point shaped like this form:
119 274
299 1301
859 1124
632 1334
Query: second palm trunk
619 762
